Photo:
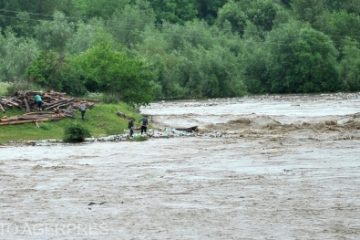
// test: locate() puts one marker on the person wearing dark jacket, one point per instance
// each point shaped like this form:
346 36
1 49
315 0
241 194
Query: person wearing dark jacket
131 127
82 109
144 124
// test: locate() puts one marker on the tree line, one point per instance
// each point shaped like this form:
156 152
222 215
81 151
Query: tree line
139 50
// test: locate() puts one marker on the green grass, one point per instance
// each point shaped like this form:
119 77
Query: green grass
101 120
4 88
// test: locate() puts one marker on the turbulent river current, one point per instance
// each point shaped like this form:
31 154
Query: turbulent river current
264 167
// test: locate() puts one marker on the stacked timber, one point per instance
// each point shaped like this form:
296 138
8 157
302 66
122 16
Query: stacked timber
33 117
56 106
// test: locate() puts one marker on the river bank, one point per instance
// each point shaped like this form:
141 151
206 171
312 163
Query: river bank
102 120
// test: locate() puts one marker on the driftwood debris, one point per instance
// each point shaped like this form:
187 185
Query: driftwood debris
56 106
189 129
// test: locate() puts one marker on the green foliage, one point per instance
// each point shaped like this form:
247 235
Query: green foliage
301 60
86 36
13 87
208 10
4 88
339 25
45 70
232 15
128 24
204 64
351 6
350 65
238 14
116 73
53 72
99 8
76 133
179 48
16 53
54 34
174 11
255 61
308 10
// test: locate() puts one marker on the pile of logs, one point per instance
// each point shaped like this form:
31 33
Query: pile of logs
32 117
56 106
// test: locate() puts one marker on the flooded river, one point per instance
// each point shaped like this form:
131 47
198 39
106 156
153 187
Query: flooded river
266 167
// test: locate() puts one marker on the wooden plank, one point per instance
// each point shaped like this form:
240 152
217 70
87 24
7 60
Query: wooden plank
2 108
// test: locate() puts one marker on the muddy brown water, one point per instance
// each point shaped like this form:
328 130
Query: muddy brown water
266 167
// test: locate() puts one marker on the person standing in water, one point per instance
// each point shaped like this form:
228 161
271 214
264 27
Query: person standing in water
144 124
131 127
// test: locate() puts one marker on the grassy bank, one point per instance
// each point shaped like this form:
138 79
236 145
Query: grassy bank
100 120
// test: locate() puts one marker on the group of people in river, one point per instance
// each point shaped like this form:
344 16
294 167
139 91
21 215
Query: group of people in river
143 129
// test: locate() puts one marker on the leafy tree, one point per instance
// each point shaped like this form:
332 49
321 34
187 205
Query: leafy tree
351 6
174 11
194 60
16 53
301 60
286 2
128 24
308 10
212 73
350 65
208 10
87 35
231 14
52 71
261 13
54 34
339 25
254 59
99 8
45 70
115 73
20 14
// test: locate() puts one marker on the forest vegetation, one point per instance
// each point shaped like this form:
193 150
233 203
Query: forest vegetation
138 51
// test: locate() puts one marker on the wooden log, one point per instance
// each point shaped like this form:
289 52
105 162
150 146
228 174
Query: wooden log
59 106
190 129
11 103
9 119
23 121
2 108
59 103
39 113
17 122
27 107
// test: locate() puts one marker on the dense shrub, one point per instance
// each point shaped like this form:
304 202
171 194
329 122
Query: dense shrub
75 133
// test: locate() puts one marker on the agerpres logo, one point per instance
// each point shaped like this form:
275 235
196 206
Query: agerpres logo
53 230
